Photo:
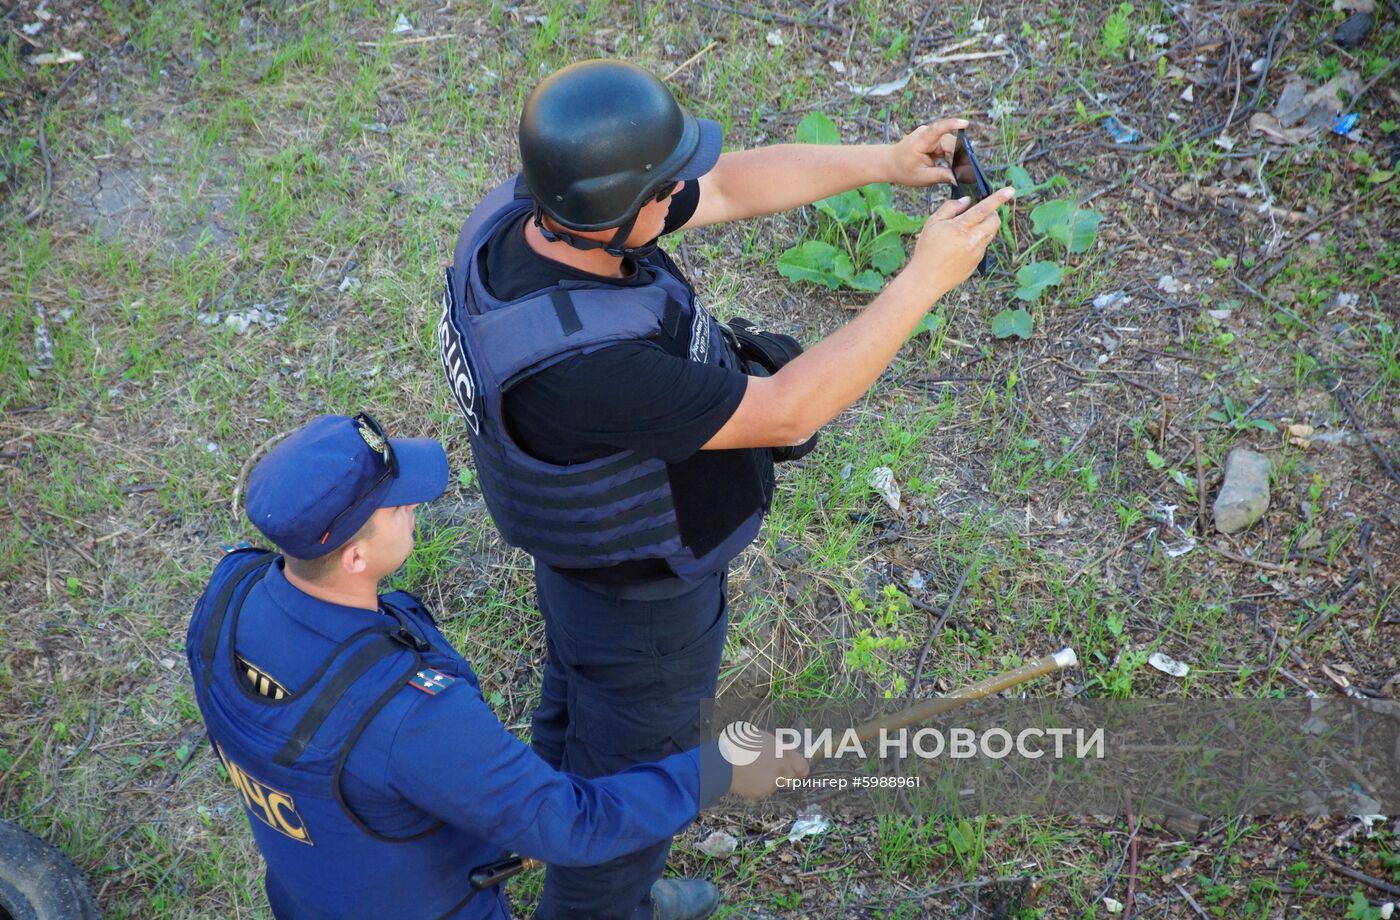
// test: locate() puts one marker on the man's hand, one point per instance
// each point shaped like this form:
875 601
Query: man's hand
913 161
955 238
760 778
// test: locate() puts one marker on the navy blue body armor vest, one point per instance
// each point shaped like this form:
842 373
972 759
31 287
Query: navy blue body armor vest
613 509
285 757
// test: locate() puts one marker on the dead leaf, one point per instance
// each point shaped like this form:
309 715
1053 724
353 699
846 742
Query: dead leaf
1269 126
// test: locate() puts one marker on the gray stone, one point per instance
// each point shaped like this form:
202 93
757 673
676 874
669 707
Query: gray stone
1244 497
1353 32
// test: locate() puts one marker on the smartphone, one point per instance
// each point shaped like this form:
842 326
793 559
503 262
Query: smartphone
970 182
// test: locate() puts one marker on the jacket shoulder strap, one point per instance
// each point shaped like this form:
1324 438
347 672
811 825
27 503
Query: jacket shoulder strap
223 601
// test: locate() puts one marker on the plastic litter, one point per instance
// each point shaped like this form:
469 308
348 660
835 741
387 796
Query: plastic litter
1343 124
1120 132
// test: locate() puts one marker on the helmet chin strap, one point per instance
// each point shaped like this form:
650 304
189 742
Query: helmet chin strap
613 247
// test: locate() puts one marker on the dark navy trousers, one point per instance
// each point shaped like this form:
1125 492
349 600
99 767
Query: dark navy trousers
626 670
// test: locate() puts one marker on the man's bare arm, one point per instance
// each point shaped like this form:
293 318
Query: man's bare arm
817 385
749 183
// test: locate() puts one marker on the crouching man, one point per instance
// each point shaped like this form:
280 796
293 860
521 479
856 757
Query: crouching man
374 775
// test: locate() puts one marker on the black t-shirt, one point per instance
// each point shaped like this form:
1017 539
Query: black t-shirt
629 396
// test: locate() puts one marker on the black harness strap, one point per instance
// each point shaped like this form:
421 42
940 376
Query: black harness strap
569 322
367 657
209 642
394 687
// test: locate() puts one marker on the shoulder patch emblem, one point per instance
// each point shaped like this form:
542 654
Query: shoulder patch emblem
226 548
431 681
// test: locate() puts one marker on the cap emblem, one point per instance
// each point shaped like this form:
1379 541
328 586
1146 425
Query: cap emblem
375 442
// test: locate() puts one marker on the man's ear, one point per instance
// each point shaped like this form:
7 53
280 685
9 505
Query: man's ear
353 559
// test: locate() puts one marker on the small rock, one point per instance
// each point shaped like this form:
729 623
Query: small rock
1244 497
774 38
349 284
718 845
1347 300
1352 33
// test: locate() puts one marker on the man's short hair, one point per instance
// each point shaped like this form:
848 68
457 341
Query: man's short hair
322 566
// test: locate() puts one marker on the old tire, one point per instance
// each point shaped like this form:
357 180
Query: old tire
38 882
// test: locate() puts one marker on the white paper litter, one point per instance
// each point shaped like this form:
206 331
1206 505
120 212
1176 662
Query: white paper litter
882 481
1168 284
402 25
808 826
1168 665
1104 301
774 38
883 89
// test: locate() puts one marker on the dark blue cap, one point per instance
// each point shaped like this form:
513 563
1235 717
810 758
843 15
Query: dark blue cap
707 151
315 489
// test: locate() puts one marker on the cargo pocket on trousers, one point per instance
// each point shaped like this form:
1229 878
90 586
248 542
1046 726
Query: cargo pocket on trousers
664 721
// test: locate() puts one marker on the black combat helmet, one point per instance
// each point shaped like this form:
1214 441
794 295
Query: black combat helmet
598 138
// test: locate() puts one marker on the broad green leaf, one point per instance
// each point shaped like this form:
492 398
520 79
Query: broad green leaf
842 268
927 326
1068 224
878 195
898 221
886 252
813 261
816 128
845 207
1012 322
868 280
1036 277
1021 180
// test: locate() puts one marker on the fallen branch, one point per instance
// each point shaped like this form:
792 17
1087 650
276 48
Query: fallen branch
1257 563
1361 877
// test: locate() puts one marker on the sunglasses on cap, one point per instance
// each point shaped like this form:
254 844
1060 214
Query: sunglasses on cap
667 190
372 433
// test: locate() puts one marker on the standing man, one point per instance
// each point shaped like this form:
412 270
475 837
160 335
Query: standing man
615 436
374 775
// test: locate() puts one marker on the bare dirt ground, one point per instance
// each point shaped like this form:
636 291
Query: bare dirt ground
228 218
